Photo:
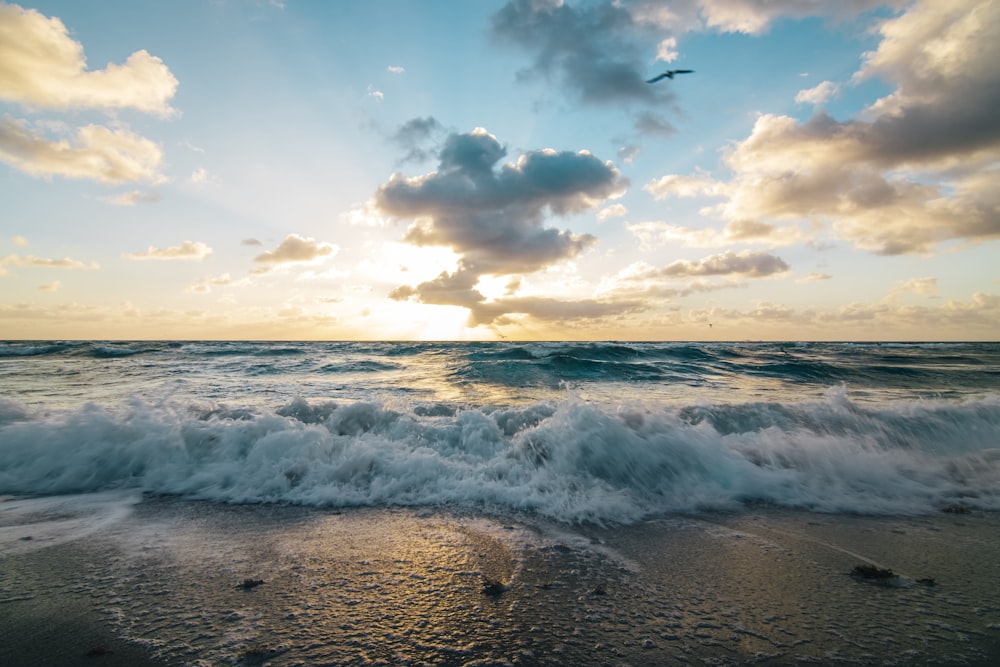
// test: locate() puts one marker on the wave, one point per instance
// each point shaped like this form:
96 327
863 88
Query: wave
568 460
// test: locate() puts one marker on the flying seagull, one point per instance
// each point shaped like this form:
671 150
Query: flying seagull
669 74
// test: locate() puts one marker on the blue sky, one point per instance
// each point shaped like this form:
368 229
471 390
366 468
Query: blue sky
485 170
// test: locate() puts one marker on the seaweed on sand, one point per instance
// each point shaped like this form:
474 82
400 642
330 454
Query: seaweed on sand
250 583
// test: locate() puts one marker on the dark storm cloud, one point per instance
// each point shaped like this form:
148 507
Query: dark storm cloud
494 216
593 52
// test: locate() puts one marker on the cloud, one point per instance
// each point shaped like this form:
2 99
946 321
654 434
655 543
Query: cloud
613 211
30 261
923 286
250 242
109 156
914 169
598 52
19 241
653 234
819 94
675 185
204 285
814 277
744 264
494 217
757 16
132 198
186 250
375 94
594 52
42 66
294 250
53 286
413 134
395 69
199 176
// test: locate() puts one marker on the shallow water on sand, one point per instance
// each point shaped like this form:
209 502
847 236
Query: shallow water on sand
376 586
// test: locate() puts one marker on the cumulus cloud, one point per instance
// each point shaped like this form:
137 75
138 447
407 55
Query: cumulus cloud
42 66
613 211
109 156
494 217
187 250
295 250
912 171
818 95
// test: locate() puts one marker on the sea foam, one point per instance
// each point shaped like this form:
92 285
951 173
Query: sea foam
569 460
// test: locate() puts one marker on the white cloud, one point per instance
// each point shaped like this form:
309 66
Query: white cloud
199 176
613 211
911 172
819 94
377 95
42 66
814 277
132 198
922 286
19 241
395 69
674 185
667 50
187 250
109 156
295 250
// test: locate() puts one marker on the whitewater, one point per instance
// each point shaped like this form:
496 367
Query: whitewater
602 433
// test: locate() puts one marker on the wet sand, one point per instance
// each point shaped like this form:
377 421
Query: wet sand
162 584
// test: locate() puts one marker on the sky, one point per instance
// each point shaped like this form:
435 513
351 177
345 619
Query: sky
500 169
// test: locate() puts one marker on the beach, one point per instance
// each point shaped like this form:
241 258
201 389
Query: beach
152 580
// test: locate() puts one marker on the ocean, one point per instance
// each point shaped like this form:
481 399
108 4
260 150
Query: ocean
625 503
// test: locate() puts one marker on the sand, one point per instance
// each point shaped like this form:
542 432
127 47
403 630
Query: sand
161 583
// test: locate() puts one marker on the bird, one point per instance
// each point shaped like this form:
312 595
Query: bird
669 74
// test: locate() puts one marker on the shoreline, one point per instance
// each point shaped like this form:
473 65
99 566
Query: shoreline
161 586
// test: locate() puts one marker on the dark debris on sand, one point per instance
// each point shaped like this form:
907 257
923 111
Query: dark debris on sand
493 587
250 583
868 571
